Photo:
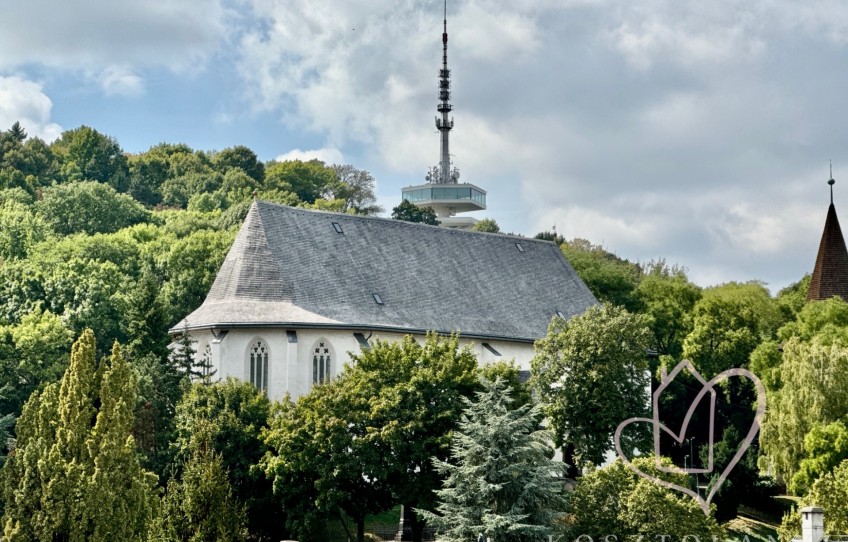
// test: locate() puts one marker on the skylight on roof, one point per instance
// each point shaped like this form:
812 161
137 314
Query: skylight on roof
377 298
519 247
560 314
337 227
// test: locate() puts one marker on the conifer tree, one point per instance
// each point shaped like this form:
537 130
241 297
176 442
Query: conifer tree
74 474
502 482
201 505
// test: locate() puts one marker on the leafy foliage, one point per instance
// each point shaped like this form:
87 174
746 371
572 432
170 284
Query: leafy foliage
231 416
409 212
200 506
614 500
610 278
88 155
88 207
815 377
371 431
488 225
591 372
729 321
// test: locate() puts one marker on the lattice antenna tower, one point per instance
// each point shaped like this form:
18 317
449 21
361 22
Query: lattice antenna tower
443 173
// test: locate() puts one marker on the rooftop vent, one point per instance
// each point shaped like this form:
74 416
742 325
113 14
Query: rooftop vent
337 227
519 247
560 314
377 298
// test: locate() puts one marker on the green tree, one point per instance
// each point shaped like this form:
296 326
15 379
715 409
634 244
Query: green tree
830 492
147 172
815 377
88 207
729 321
230 417
614 500
356 188
592 373
37 355
239 157
177 191
20 230
609 277
667 297
397 403
501 481
88 155
825 447
323 462
200 506
308 180
189 266
74 474
488 225
409 212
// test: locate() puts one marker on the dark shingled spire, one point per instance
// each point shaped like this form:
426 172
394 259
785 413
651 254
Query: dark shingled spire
830 277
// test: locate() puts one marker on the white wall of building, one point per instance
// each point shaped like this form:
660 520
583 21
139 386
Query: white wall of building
290 364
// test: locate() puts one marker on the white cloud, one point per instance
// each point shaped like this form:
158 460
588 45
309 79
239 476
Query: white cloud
671 128
326 155
25 102
116 38
120 80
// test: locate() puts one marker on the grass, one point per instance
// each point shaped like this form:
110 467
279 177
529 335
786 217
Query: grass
742 528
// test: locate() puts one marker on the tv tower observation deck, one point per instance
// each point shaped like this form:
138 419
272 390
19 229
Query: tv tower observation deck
443 192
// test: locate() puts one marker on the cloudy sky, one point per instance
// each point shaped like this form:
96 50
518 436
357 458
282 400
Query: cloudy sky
695 131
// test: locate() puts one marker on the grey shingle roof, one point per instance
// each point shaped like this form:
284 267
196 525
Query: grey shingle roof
289 267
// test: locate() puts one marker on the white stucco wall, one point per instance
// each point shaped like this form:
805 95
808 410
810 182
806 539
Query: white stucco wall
290 363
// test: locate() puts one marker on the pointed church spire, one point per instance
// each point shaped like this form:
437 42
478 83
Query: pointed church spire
830 276
442 173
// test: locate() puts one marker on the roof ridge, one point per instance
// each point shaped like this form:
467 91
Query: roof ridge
400 223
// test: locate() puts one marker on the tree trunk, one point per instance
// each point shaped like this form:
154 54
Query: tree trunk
360 529
417 525
571 470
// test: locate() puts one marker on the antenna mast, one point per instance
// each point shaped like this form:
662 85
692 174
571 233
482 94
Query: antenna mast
442 174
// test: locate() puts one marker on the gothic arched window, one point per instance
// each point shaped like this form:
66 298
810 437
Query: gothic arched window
258 356
321 362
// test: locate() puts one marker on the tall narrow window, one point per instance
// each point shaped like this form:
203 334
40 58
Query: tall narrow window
321 363
259 366
206 362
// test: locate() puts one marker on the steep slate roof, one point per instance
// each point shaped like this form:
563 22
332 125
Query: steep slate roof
830 276
289 267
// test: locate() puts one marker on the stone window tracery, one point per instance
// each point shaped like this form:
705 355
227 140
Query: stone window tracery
258 357
321 362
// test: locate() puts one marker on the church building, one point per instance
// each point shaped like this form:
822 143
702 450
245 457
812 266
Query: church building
299 290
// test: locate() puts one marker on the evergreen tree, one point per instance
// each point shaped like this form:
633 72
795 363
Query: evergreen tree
74 474
201 505
503 482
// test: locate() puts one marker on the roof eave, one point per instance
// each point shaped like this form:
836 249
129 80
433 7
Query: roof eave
346 327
